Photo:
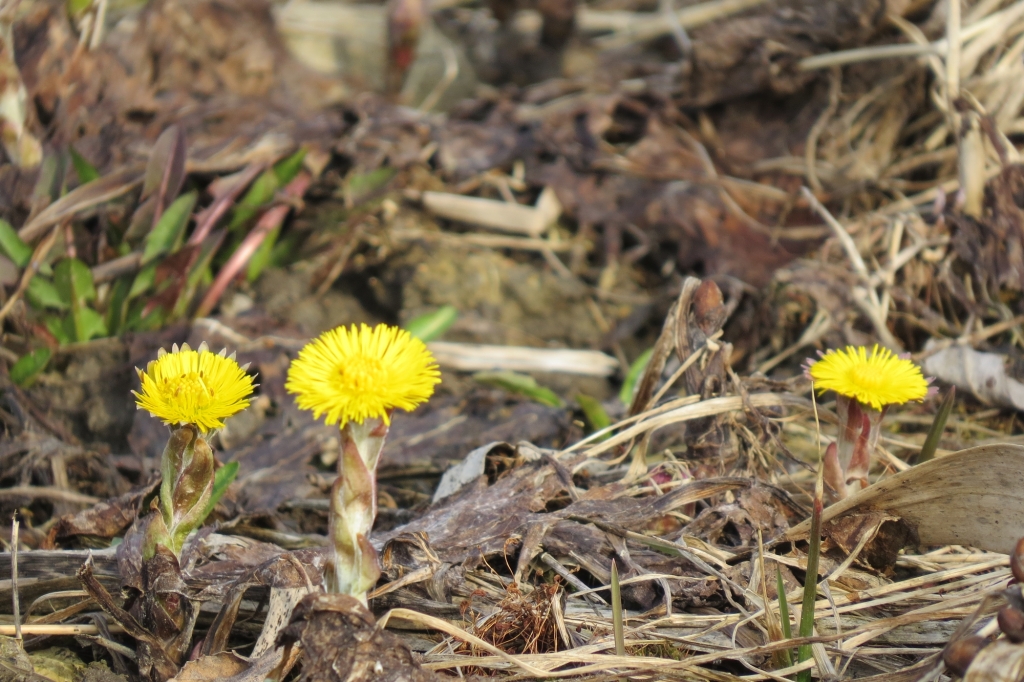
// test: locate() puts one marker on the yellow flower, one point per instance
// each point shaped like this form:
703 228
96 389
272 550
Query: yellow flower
194 387
354 373
879 379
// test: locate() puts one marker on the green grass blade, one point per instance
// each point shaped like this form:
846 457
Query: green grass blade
787 629
931 443
618 626
810 585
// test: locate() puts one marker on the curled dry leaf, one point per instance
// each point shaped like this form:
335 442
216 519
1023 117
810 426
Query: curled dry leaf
983 374
973 497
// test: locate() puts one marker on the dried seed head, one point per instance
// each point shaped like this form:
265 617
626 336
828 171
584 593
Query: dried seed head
1011 622
959 654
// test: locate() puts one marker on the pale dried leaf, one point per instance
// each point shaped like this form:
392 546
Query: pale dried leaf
973 497
983 374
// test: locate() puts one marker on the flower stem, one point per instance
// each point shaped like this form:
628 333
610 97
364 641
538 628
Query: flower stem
354 567
185 491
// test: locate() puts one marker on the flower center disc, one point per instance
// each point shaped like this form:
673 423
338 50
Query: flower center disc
866 377
362 375
191 386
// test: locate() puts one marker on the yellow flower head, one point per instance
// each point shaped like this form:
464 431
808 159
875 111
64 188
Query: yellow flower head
354 373
879 379
194 387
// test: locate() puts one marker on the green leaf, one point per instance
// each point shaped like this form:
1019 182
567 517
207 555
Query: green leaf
41 293
59 328
260 192
143 281
618 621
287 169
166 235
224 477
135 322
636 370
431 326
73 280
86 171
523 384
76 8
261 258
358 186
595 413
118 305
931 443
89 324
28 367
12 245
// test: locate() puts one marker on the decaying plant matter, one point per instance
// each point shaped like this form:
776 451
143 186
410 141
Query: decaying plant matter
617 252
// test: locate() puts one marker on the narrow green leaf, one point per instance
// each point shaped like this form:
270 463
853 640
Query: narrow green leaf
780 587
117 306
224 477
166 235
12 245
787 629
618 621
28 367
86 171
143 281
431 326
595 413
636 370
260 192
931 443
523 384
41 293
286 169
810 585
261 258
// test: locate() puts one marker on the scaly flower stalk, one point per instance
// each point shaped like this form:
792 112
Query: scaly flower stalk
865 385
193 392
356 377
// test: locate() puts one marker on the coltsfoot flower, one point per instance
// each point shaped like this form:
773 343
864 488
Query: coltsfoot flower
865 385
351 374
197 387
876 380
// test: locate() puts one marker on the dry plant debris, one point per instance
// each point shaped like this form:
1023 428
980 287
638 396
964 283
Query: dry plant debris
730 185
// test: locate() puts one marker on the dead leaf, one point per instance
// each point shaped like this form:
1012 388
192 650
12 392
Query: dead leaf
973 497
212 668
983 374
341 641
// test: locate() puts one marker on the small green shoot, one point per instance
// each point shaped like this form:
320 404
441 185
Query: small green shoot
224 477
166 236
931 443
85 171
432 326
28 367
618 622
595 413
523 384
636 370
811 580
787 629
13 246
